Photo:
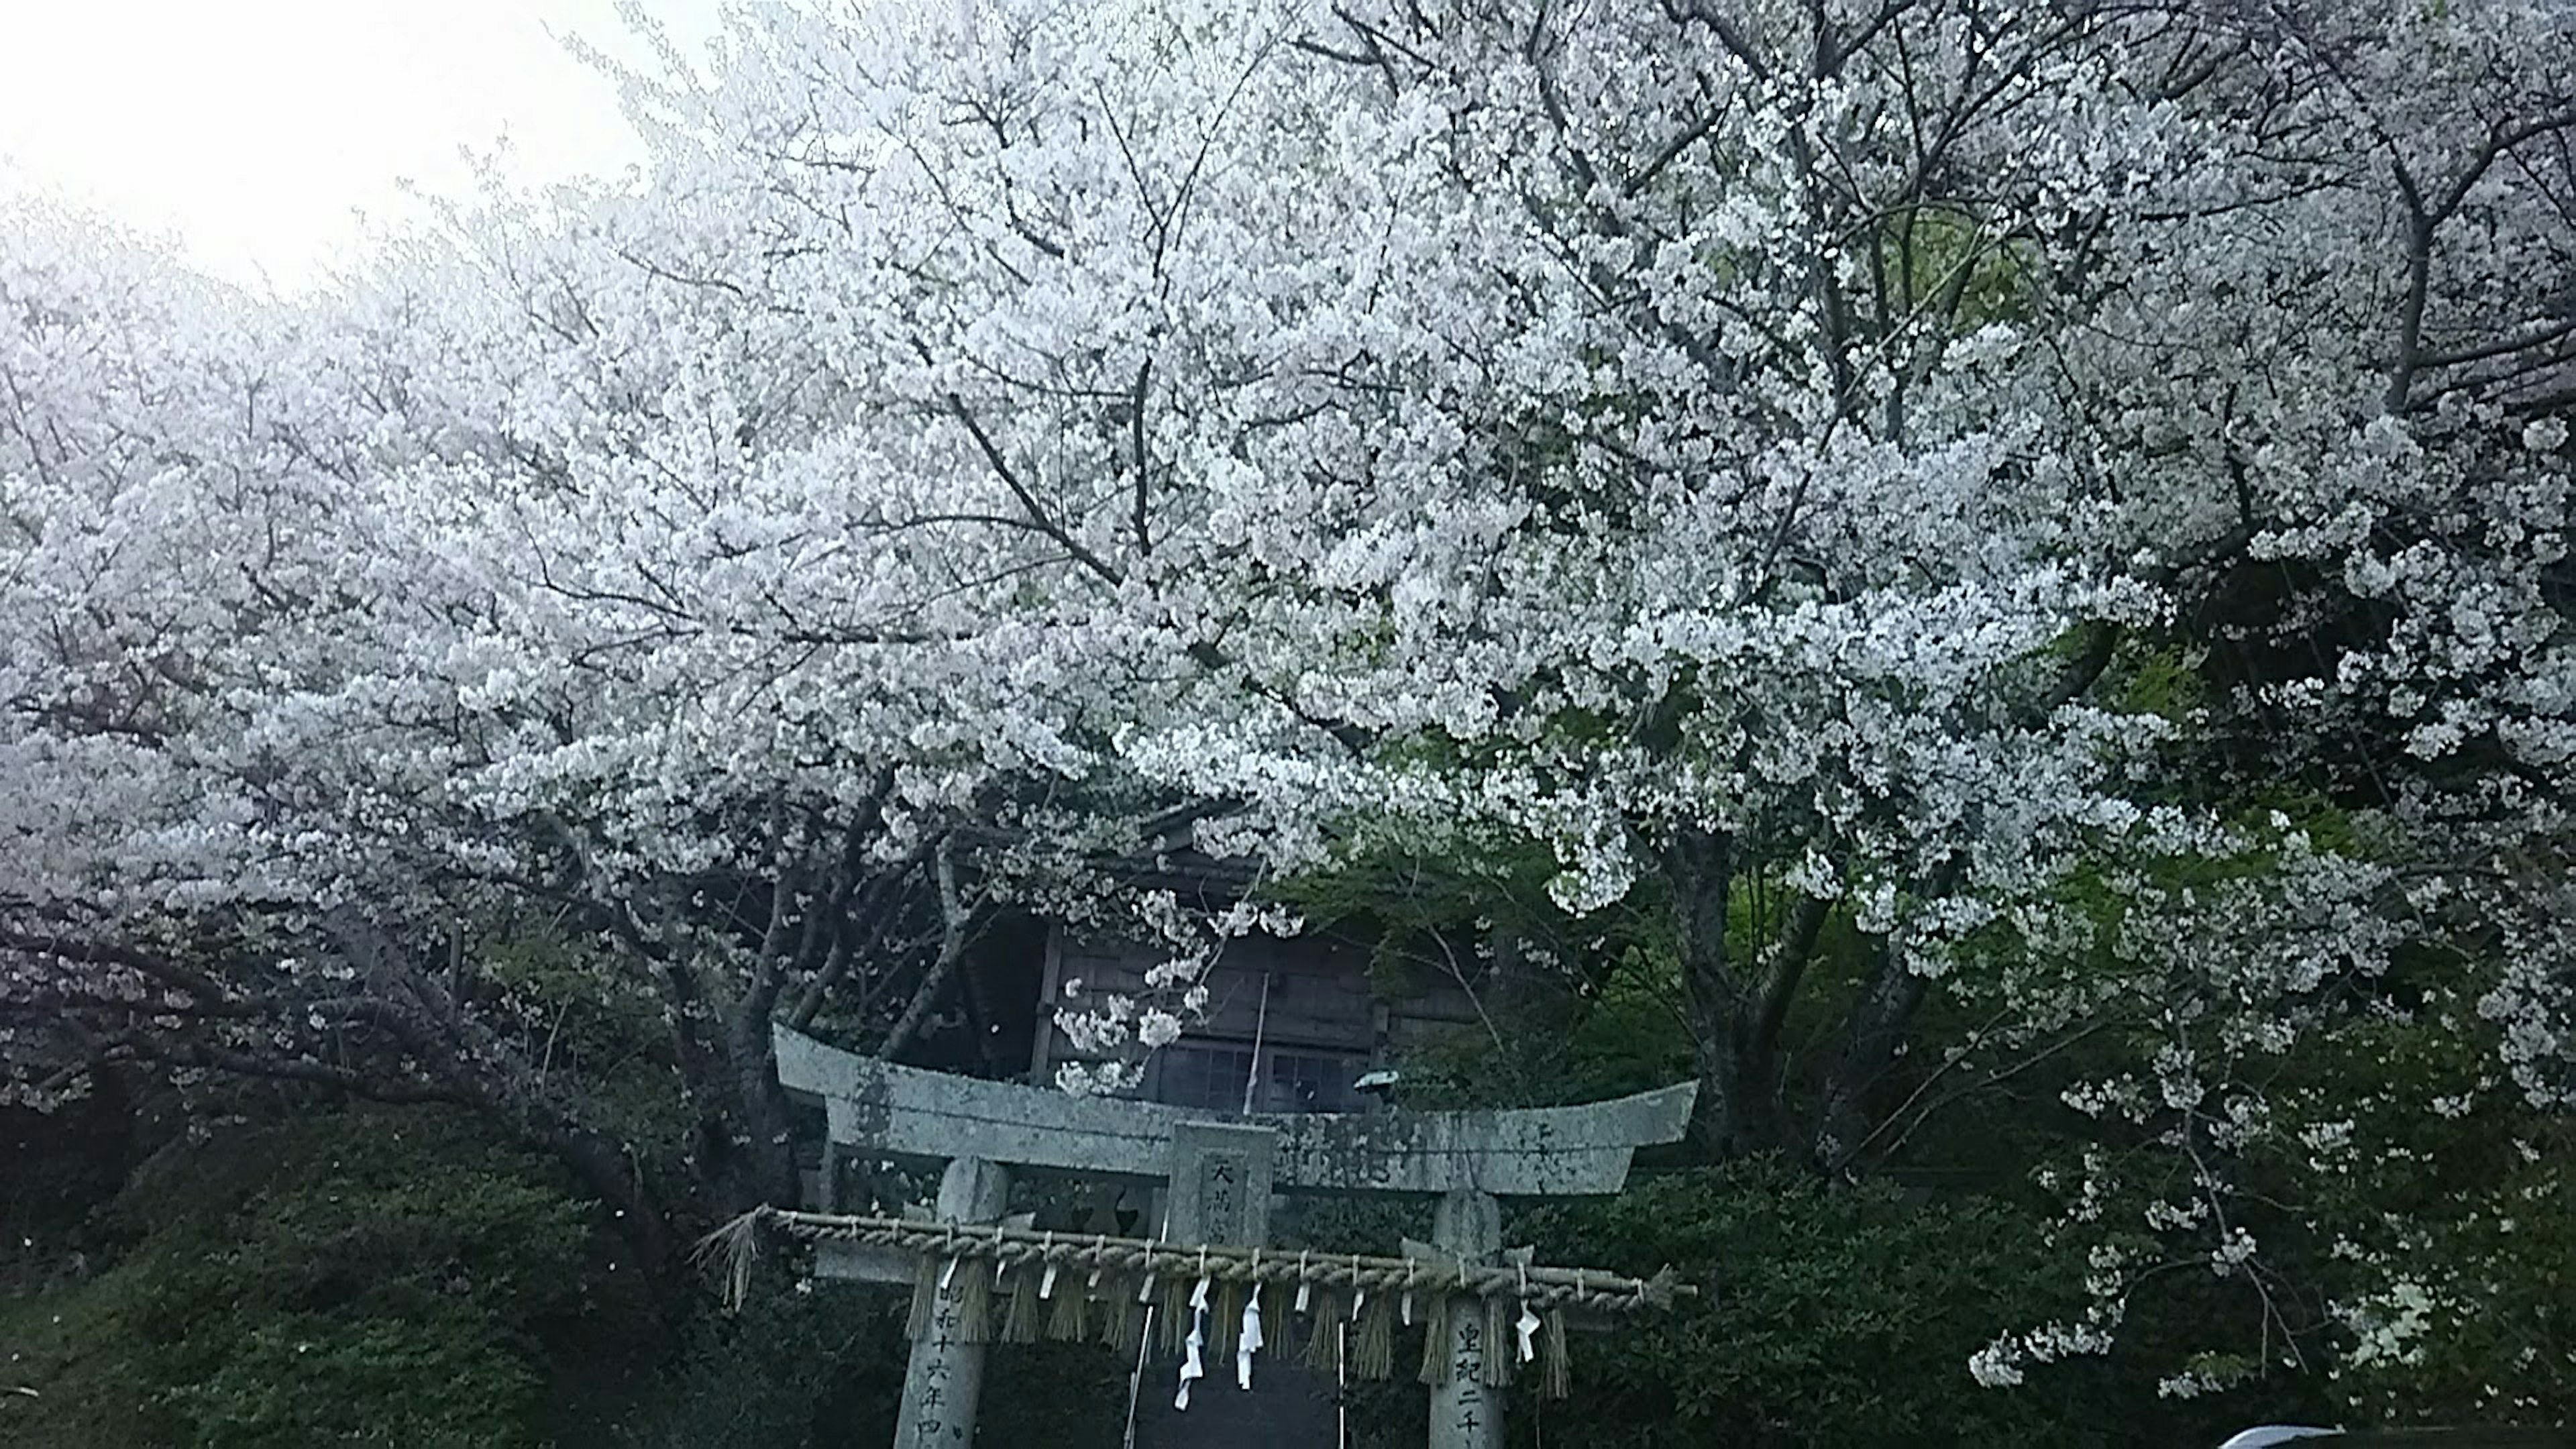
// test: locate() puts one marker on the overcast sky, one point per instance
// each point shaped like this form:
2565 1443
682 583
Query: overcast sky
256 130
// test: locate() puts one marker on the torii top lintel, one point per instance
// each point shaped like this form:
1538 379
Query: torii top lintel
875 1107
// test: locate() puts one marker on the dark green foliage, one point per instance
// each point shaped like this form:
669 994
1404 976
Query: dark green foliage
2454 1231
580 1015
358 1278
820 1366
1827 1316
792 1370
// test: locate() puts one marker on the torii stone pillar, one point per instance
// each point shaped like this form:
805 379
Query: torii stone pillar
1464 1413
946 1375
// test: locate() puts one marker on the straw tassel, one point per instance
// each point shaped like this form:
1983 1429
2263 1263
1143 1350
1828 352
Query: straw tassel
1557 1370
1499 1339
972 1292
1020 1323
1066 1312
1172 1320
1373 1347
1435 1341
1323 1342
1122 1325
1114 1297
1225 1318
728 1254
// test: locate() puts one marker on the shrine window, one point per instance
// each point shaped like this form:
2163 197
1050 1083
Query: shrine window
1207 1076
1310 1082
1212 1075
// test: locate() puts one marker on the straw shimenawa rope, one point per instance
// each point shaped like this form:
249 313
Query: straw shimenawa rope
728 1253
986 1282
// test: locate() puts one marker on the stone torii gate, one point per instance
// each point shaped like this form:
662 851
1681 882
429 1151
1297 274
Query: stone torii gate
1218 1177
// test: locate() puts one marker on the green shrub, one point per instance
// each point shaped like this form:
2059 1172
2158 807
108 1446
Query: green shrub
1828 1316
355 1278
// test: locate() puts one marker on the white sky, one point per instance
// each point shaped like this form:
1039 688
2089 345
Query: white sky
257 130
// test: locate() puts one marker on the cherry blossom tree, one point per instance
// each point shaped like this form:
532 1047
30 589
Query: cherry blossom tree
306 714
2071 498
1782 447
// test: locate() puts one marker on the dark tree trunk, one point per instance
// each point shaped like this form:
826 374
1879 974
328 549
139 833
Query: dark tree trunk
1534 997
607 1169
1728 1118
765 1172
1870 1034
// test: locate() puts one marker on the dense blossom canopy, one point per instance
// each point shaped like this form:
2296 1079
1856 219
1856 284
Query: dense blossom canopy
2078 493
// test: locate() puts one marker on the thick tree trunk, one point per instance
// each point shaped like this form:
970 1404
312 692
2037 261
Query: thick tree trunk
1877 1022
1870 1034
487 1075
504 1089
607 1169
955 931
488 1072
1698 871
765 1173
1761 1057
